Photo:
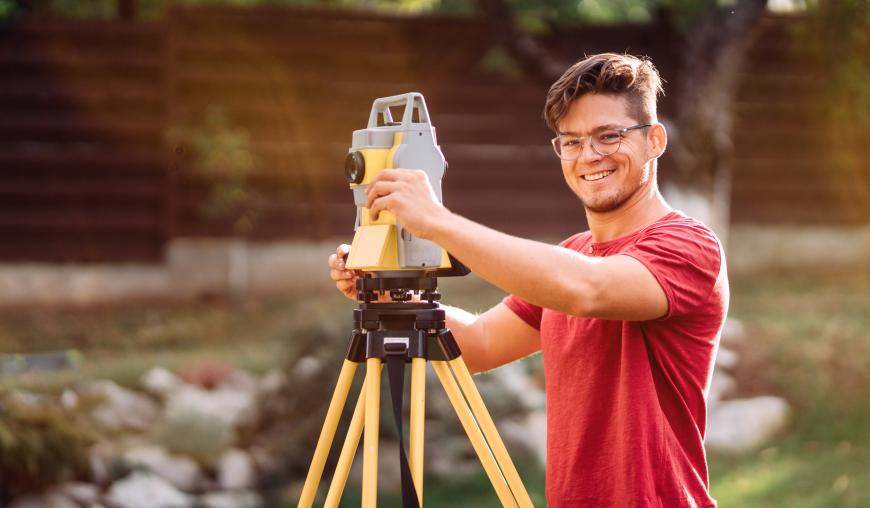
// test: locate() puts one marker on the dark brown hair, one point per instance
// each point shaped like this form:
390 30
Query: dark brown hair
635 79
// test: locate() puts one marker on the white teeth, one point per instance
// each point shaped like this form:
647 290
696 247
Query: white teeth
597 176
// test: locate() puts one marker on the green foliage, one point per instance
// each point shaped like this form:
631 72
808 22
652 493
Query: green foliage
222 159
41 444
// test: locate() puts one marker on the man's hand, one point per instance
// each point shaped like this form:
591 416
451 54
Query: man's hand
345 280
409 196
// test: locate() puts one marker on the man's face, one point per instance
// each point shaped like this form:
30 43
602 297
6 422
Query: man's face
605 183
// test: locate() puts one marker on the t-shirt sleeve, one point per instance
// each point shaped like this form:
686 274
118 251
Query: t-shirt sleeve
529 313
685 259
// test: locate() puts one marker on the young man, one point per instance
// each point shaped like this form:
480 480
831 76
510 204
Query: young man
628 314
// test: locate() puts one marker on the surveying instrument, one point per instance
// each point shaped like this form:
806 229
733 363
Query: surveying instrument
409 329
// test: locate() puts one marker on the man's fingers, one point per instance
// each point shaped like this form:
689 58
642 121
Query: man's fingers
377 205
379 189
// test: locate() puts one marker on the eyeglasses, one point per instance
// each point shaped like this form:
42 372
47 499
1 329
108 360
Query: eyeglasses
604 143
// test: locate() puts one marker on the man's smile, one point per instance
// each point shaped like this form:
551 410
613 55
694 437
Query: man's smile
591 177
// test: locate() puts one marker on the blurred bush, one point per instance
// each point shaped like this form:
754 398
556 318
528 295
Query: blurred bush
41 444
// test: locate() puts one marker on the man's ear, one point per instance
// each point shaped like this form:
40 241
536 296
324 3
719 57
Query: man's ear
657 140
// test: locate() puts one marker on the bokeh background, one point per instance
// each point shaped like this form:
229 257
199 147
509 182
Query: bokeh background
171 184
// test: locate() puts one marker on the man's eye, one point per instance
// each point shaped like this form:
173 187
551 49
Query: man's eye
570 142
608 137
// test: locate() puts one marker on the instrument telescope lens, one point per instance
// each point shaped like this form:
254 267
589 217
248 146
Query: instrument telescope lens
354 167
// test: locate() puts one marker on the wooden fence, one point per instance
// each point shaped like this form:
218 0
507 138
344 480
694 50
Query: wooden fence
92 167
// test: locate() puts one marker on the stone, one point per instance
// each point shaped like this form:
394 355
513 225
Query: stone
733 332
161 382
85 494
530 434
235 470
737 427
181 472
273 382
48 500
721 385
514 378
231 499
230 406
121 408
389 470
306 368
69 399
241 381
146 490
726 358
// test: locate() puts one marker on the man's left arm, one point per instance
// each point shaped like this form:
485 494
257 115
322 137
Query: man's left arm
613 287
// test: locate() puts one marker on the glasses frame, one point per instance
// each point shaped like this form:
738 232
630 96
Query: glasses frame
622 132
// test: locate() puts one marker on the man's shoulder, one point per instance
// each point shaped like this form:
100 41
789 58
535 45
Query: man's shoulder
678 225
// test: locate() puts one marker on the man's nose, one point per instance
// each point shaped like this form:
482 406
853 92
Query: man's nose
588 154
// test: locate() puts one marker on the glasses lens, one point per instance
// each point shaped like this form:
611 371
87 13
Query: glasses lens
606 142
567 147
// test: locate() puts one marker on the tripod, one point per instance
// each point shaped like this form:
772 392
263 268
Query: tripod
399 333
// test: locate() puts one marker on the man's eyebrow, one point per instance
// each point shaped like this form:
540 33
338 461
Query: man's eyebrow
596 129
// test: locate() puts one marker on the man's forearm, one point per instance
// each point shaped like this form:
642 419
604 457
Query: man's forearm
543 274
468 332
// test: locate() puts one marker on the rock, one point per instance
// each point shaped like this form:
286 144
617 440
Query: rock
389 470
230 406
235 470
721 385
181 472
121 408
516 381
529 434
85 494
69 399
161 382
737 427
145 490
241 381
306 368
452 459
733 332
99 465
49 500
273 381
265 462
726 359
234 499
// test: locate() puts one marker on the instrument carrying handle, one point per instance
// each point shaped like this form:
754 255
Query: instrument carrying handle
412 101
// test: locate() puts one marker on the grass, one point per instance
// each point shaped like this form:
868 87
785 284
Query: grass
807 339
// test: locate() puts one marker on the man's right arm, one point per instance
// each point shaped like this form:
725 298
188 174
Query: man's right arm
494 338
488 340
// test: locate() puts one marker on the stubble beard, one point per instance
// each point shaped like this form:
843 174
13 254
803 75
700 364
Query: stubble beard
616 199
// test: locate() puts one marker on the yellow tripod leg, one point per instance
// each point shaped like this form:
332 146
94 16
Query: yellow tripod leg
327 433
474 433
348 450
466 384
370 444
418 416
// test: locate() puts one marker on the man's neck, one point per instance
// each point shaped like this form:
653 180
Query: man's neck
640 211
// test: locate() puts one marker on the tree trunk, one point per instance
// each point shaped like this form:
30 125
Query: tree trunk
702 143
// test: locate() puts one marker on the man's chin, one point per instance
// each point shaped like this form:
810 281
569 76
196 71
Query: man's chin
603 204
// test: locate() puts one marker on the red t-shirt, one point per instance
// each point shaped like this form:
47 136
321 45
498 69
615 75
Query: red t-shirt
626 410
